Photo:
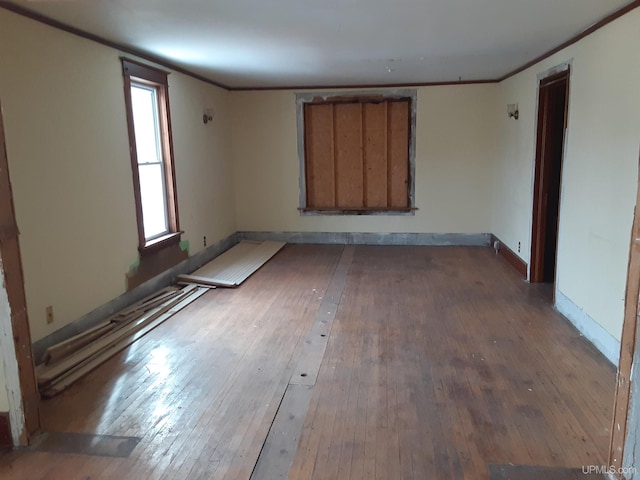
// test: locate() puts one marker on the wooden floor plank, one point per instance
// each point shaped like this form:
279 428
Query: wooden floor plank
282 441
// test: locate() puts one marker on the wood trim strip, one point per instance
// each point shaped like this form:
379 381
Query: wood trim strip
357 210
510 256
363 150
628 344
596 26
363 86
388 143
13 279
555 78
143 71
25 12
133 153
171 192
160 243
334 146
5 431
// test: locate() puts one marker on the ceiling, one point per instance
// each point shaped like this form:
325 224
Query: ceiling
279 43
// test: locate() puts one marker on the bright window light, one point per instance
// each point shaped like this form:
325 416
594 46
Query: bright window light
144 104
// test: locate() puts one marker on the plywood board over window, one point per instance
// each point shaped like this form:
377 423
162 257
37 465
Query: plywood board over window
357 154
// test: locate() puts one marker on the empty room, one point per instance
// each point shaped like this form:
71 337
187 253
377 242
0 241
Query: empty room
337 240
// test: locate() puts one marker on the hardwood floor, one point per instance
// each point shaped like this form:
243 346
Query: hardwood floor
442 361
439 362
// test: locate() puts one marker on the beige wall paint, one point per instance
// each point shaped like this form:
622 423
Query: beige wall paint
455 142
204 166
68 154
600 168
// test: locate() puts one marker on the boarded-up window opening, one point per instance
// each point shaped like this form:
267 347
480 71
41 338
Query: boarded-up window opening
357 155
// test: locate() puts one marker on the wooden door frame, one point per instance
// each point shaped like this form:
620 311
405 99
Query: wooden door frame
538 221
17 355
628 344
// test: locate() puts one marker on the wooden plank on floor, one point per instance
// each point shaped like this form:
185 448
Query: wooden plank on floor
149 302
60 350
210 282
71 345
281 444
69 378
313 348
202 285
48 373
235 265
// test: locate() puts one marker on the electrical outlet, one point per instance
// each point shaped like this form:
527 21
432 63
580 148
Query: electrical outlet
204 241
50 314
518 247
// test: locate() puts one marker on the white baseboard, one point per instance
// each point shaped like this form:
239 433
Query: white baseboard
589 328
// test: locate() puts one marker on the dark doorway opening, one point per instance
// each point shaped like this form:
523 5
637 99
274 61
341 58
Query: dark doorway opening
553 98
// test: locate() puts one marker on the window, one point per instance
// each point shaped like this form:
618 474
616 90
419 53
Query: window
357 154
147 103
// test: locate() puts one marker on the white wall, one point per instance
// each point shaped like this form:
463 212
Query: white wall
10 398
68 151
4 399
455 142
600 168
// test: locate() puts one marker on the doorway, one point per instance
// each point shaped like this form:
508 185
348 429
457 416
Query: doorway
553 96
25 421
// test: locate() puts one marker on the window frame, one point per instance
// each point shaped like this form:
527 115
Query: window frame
353 97
141 74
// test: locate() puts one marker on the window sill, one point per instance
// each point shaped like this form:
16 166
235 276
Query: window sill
358 211
159 243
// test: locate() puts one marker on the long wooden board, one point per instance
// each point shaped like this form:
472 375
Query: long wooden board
629 340
47 374
73 344
312 349
235 265
65 380
281 444
63 349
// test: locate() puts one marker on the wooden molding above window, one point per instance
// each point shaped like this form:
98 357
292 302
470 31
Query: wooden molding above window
357 154
144 76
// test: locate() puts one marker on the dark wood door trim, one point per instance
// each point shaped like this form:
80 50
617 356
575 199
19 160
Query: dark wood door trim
538 229
14 285
628 344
